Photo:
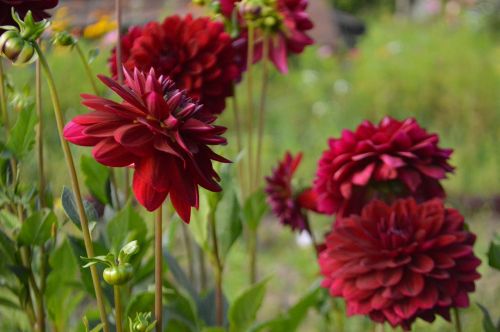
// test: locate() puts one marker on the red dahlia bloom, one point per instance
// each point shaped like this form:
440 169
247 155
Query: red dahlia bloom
392 160
157 129
195 53
401 262
38 9
286 204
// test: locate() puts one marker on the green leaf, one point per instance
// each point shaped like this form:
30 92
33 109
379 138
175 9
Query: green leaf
93 53
243 311
98 328
22 137
128 251
213 329
494 252
8 303
181 312
62 298
7 249
198 225
108 260
9 221
179 275
141 302
36 229
69 206
228 222
126 225
254 209
96 178
206 309
488 325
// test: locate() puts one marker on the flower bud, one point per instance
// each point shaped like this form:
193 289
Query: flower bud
16 49
63 38
199 2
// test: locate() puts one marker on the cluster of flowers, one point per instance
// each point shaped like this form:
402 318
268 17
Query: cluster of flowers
395 252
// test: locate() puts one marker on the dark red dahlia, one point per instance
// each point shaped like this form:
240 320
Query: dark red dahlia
195 52
401 262
156 129
287 204
38 9
392 160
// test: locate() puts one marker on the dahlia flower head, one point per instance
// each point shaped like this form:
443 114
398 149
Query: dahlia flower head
287 203
396 263
157 130
288 36
38 9
393 159
196 53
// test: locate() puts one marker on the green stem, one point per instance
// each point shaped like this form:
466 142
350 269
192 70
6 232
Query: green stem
88 70
456 318
218 271
158 270
239 144
202 269
3 99
250 101
118 309
262 106
188 244
74 183
41 191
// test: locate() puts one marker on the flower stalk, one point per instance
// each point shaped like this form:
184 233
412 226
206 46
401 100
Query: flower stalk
250 113
118 308
3 99
456 318
158 270
87 68
218 272
75 184
262 106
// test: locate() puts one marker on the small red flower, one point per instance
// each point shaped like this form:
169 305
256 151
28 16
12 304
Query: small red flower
401 262
38 9
392 160
288 37
286 204
157 129
195 53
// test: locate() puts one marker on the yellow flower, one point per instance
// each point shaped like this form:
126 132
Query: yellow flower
61 20
98 29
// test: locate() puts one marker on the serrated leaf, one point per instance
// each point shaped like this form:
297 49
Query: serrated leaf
488 325
22 136
70 208
494 252
254 209
243 311
126 225
96 178
36 229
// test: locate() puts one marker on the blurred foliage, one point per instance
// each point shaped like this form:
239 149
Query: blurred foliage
354 6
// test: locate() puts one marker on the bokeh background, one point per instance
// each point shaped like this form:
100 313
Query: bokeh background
437 61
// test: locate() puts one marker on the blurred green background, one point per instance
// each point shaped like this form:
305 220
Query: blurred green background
444 72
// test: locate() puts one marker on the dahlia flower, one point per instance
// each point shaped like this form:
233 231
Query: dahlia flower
38 9
396 263
288 27
195 53
287 204
157 130
392 160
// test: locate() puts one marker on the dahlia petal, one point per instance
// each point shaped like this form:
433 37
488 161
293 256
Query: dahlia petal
389 277
405 309
391 161
435 172
146 195
411 284
153 171
112 154
102 129
422 264
428 298
368 281
73 133
362 177
157 106
133 136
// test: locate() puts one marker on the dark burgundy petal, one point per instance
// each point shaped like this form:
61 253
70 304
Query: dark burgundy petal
112 154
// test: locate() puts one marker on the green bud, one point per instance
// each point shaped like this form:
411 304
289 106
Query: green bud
119 274
16 49
63 38
141 323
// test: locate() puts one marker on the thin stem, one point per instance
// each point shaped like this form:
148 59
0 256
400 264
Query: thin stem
239 143
3 99
114 188
456 318
88 70
218 269
250 101
252 247
262 106
158 270
118 309
75 185
189 251
41 190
